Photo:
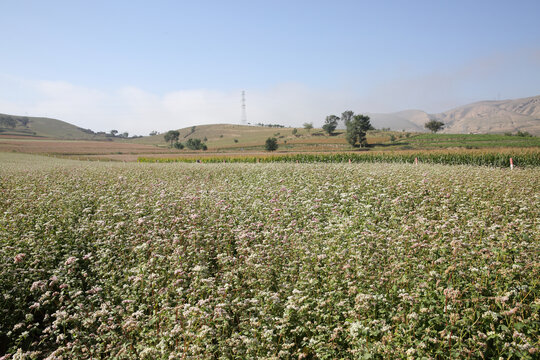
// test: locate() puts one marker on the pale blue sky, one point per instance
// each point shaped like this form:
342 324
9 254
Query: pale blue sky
144 65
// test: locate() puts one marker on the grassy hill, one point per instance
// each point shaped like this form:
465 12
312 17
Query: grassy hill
227 138
223 135
41 127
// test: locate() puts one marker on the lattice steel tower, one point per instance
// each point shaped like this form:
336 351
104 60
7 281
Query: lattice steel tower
244 114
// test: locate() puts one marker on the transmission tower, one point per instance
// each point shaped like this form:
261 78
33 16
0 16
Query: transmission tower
244 114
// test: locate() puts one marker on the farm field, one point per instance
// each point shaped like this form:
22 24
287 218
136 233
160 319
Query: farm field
479 141
275 261
250 143
76 147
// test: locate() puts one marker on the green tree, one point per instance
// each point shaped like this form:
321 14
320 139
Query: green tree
114 132
172 136
271 144
308 126
294 131
330 124
357 126
347 116
167 138
523 134
434 125
196 144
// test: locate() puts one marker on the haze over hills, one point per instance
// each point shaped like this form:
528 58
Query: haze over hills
480 117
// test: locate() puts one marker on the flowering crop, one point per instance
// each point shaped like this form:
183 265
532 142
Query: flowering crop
166 261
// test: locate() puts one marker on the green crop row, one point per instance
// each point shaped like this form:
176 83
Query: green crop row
494 159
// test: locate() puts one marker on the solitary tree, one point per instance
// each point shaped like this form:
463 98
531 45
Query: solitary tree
172 136
434 125
330 124
114 132
308 126
271 144
357 126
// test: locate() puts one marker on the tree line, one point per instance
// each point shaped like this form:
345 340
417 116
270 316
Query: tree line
9 121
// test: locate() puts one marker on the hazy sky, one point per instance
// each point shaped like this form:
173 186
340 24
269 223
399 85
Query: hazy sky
148 65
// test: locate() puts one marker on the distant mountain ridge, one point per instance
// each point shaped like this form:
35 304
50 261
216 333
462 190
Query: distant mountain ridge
499 116
480 117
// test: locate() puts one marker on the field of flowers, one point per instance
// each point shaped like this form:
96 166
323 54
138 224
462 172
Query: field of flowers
274 261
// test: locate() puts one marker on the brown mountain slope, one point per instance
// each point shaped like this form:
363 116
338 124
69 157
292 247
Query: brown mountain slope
494 117
480 117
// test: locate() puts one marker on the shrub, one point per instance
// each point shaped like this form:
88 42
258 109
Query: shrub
195 144
271 144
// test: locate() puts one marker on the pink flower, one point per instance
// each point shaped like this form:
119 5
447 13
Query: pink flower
19 258
35 305
70 260
37 285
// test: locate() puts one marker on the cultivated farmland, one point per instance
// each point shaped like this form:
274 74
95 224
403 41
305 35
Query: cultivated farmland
274 261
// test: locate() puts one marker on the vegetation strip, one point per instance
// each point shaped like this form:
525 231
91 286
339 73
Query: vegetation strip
523 158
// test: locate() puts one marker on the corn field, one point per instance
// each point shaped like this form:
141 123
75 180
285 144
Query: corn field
521 158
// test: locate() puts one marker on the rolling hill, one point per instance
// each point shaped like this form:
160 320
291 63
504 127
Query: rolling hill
247 137
41 127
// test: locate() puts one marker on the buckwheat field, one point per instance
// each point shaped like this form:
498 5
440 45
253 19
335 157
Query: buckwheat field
269 261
